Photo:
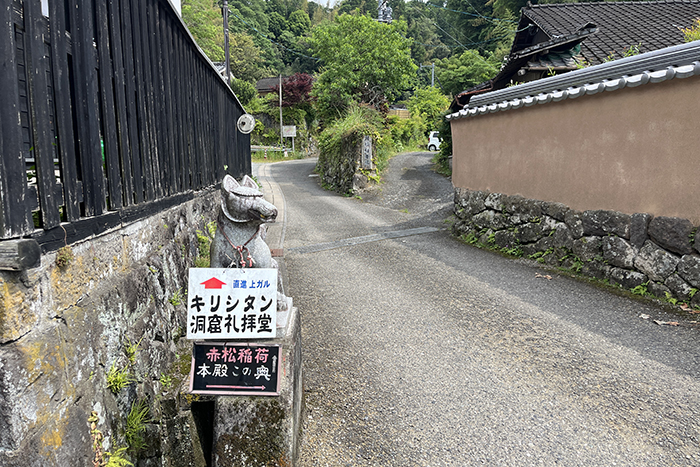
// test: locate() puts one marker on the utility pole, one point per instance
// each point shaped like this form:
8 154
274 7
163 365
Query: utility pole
281 141
227 70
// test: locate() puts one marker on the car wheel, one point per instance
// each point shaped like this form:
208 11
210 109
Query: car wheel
431 147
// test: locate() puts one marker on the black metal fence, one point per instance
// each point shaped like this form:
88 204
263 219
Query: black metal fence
109 112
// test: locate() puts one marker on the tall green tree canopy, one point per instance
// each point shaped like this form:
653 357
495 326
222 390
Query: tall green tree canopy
203 19
361 60
429 103
246 58
461 72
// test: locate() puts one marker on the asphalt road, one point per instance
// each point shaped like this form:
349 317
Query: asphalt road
422 351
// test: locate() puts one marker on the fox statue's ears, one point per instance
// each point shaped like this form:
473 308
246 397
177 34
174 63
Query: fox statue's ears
229 183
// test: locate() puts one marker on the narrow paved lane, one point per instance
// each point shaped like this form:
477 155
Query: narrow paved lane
422 351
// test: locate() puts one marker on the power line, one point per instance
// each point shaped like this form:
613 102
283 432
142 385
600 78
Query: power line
272 40
438 26
477 14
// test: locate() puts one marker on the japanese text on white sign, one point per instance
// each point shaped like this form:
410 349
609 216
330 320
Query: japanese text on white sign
232 303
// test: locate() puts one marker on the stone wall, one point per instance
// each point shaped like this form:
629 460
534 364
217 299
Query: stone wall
658 255
116 306
340 169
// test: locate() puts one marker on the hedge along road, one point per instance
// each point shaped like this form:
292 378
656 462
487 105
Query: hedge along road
422 351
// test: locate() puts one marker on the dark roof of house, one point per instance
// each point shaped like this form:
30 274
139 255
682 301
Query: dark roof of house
677 62
549 33
267 84
651 25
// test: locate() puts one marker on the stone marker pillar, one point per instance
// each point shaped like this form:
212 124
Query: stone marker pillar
263 431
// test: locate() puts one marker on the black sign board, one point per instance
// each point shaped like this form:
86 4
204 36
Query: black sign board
240 369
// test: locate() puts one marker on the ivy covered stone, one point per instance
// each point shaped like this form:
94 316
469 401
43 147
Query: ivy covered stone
618 252
484 219
657 289
494 201
505 239
672 233
562 237
626 278
656 262
588 248
512 203
606 222
557 211
679 288
472 201
574 220
529 233
689 269
596 269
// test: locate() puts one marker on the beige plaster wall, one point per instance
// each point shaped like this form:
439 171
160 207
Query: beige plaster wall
632 150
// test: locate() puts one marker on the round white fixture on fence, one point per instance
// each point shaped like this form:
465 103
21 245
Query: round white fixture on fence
246 123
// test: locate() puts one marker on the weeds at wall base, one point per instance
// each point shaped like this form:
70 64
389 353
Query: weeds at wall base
574 271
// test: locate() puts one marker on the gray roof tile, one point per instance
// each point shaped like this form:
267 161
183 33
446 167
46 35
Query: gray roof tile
653 24
677 62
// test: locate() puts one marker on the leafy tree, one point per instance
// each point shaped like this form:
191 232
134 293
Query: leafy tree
250 16
461 72
277 6
277 23
693 32
427 45
296 89
296 94
244 90
469 22
203 19
362 60
302 60
246 61
319 14
299 23
430 104
365 7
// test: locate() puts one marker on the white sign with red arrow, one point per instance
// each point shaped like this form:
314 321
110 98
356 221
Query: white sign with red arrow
232 303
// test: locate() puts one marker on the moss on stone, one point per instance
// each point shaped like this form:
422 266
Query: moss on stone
257 441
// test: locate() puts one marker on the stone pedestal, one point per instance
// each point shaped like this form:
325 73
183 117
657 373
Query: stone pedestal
251 431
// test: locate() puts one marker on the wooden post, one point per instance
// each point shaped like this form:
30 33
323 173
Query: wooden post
18 255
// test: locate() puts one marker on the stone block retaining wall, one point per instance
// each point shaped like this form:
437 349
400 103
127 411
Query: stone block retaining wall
118 305
659 255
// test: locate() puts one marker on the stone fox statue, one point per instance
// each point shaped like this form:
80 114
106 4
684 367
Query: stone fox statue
239 235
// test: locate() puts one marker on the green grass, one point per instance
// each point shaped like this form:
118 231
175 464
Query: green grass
275 155
136 426
118 379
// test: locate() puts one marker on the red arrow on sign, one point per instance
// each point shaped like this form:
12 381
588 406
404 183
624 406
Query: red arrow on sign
213 283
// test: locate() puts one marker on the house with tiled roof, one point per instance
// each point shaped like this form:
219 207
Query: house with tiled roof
595 164
558 38
267 85
621 135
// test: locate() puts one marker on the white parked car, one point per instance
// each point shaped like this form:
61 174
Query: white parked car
434 141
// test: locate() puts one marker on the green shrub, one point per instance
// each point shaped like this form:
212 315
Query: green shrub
693 32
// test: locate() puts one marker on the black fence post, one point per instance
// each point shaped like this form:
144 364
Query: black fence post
15 218
110 112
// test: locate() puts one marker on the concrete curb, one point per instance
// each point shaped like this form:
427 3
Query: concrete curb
274 195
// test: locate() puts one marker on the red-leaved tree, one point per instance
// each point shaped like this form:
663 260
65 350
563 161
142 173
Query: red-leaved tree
296 90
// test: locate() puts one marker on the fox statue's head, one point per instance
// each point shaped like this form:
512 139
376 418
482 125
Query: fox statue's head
243 202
